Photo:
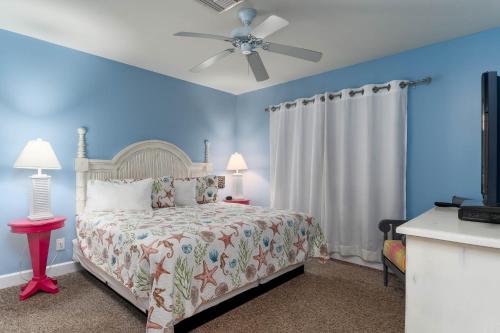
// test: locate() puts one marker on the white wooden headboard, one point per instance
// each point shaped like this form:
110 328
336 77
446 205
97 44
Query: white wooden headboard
145 159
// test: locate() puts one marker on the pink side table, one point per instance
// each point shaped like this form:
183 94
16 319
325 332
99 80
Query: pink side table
239 201
38 233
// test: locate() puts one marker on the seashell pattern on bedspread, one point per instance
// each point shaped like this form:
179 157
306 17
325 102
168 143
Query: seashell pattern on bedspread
183 257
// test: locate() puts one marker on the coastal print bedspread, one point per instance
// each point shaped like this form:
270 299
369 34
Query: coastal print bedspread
183 257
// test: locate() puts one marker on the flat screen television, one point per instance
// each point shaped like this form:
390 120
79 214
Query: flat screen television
490 128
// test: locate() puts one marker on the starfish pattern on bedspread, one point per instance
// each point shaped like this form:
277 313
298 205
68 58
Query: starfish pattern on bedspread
274 228
261 257
226 239
160 270
178 237
183 257
109 239
299 244
150 324
148 250
309 220
207 276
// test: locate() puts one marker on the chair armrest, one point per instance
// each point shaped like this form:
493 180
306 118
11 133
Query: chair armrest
387 226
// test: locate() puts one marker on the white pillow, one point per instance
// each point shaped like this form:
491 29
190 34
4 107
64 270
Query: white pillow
185 192
111 196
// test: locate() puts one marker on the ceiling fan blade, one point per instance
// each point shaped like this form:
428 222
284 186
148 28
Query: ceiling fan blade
257 66
212 60
200 35
270 25
293 51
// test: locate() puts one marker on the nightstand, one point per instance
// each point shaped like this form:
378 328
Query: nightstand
239 201
38 233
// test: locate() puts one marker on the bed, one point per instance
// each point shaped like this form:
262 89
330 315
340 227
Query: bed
176 262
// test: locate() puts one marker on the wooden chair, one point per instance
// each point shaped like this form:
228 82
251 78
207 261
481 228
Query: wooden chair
394 249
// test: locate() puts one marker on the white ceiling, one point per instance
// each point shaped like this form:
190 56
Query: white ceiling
139 33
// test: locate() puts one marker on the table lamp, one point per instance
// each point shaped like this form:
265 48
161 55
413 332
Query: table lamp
38 155
237 163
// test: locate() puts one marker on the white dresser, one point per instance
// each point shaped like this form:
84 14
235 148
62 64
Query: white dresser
452 274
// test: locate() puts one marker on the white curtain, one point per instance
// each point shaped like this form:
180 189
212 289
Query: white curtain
343 160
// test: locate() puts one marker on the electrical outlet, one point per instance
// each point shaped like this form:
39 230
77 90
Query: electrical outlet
60 244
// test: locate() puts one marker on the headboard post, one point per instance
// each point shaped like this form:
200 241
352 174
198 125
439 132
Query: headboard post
82 143
207 151
81 168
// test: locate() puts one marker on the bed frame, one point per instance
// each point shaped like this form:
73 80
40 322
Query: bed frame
144 159
156 158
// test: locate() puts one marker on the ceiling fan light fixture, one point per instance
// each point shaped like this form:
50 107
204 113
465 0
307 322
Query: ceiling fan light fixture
246 48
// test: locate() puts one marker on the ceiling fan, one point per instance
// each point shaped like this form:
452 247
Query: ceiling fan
248 40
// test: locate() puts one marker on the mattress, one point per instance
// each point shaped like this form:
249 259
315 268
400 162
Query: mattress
175 262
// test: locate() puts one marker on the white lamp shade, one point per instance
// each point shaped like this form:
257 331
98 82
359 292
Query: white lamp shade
236 163
37 154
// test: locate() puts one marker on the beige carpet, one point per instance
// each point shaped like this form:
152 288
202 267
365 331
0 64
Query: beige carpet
332 297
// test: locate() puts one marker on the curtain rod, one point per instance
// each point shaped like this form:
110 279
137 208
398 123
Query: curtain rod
352 93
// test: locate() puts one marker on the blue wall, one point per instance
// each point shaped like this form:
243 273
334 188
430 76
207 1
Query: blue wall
443 118
49 91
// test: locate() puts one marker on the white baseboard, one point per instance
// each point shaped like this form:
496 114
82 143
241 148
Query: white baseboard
18 278
357 261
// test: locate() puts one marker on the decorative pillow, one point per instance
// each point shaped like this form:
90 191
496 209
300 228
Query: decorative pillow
111 195
206 189
185 192
162 195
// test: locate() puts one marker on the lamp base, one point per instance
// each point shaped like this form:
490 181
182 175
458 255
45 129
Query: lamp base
41 217
40 198
237 186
